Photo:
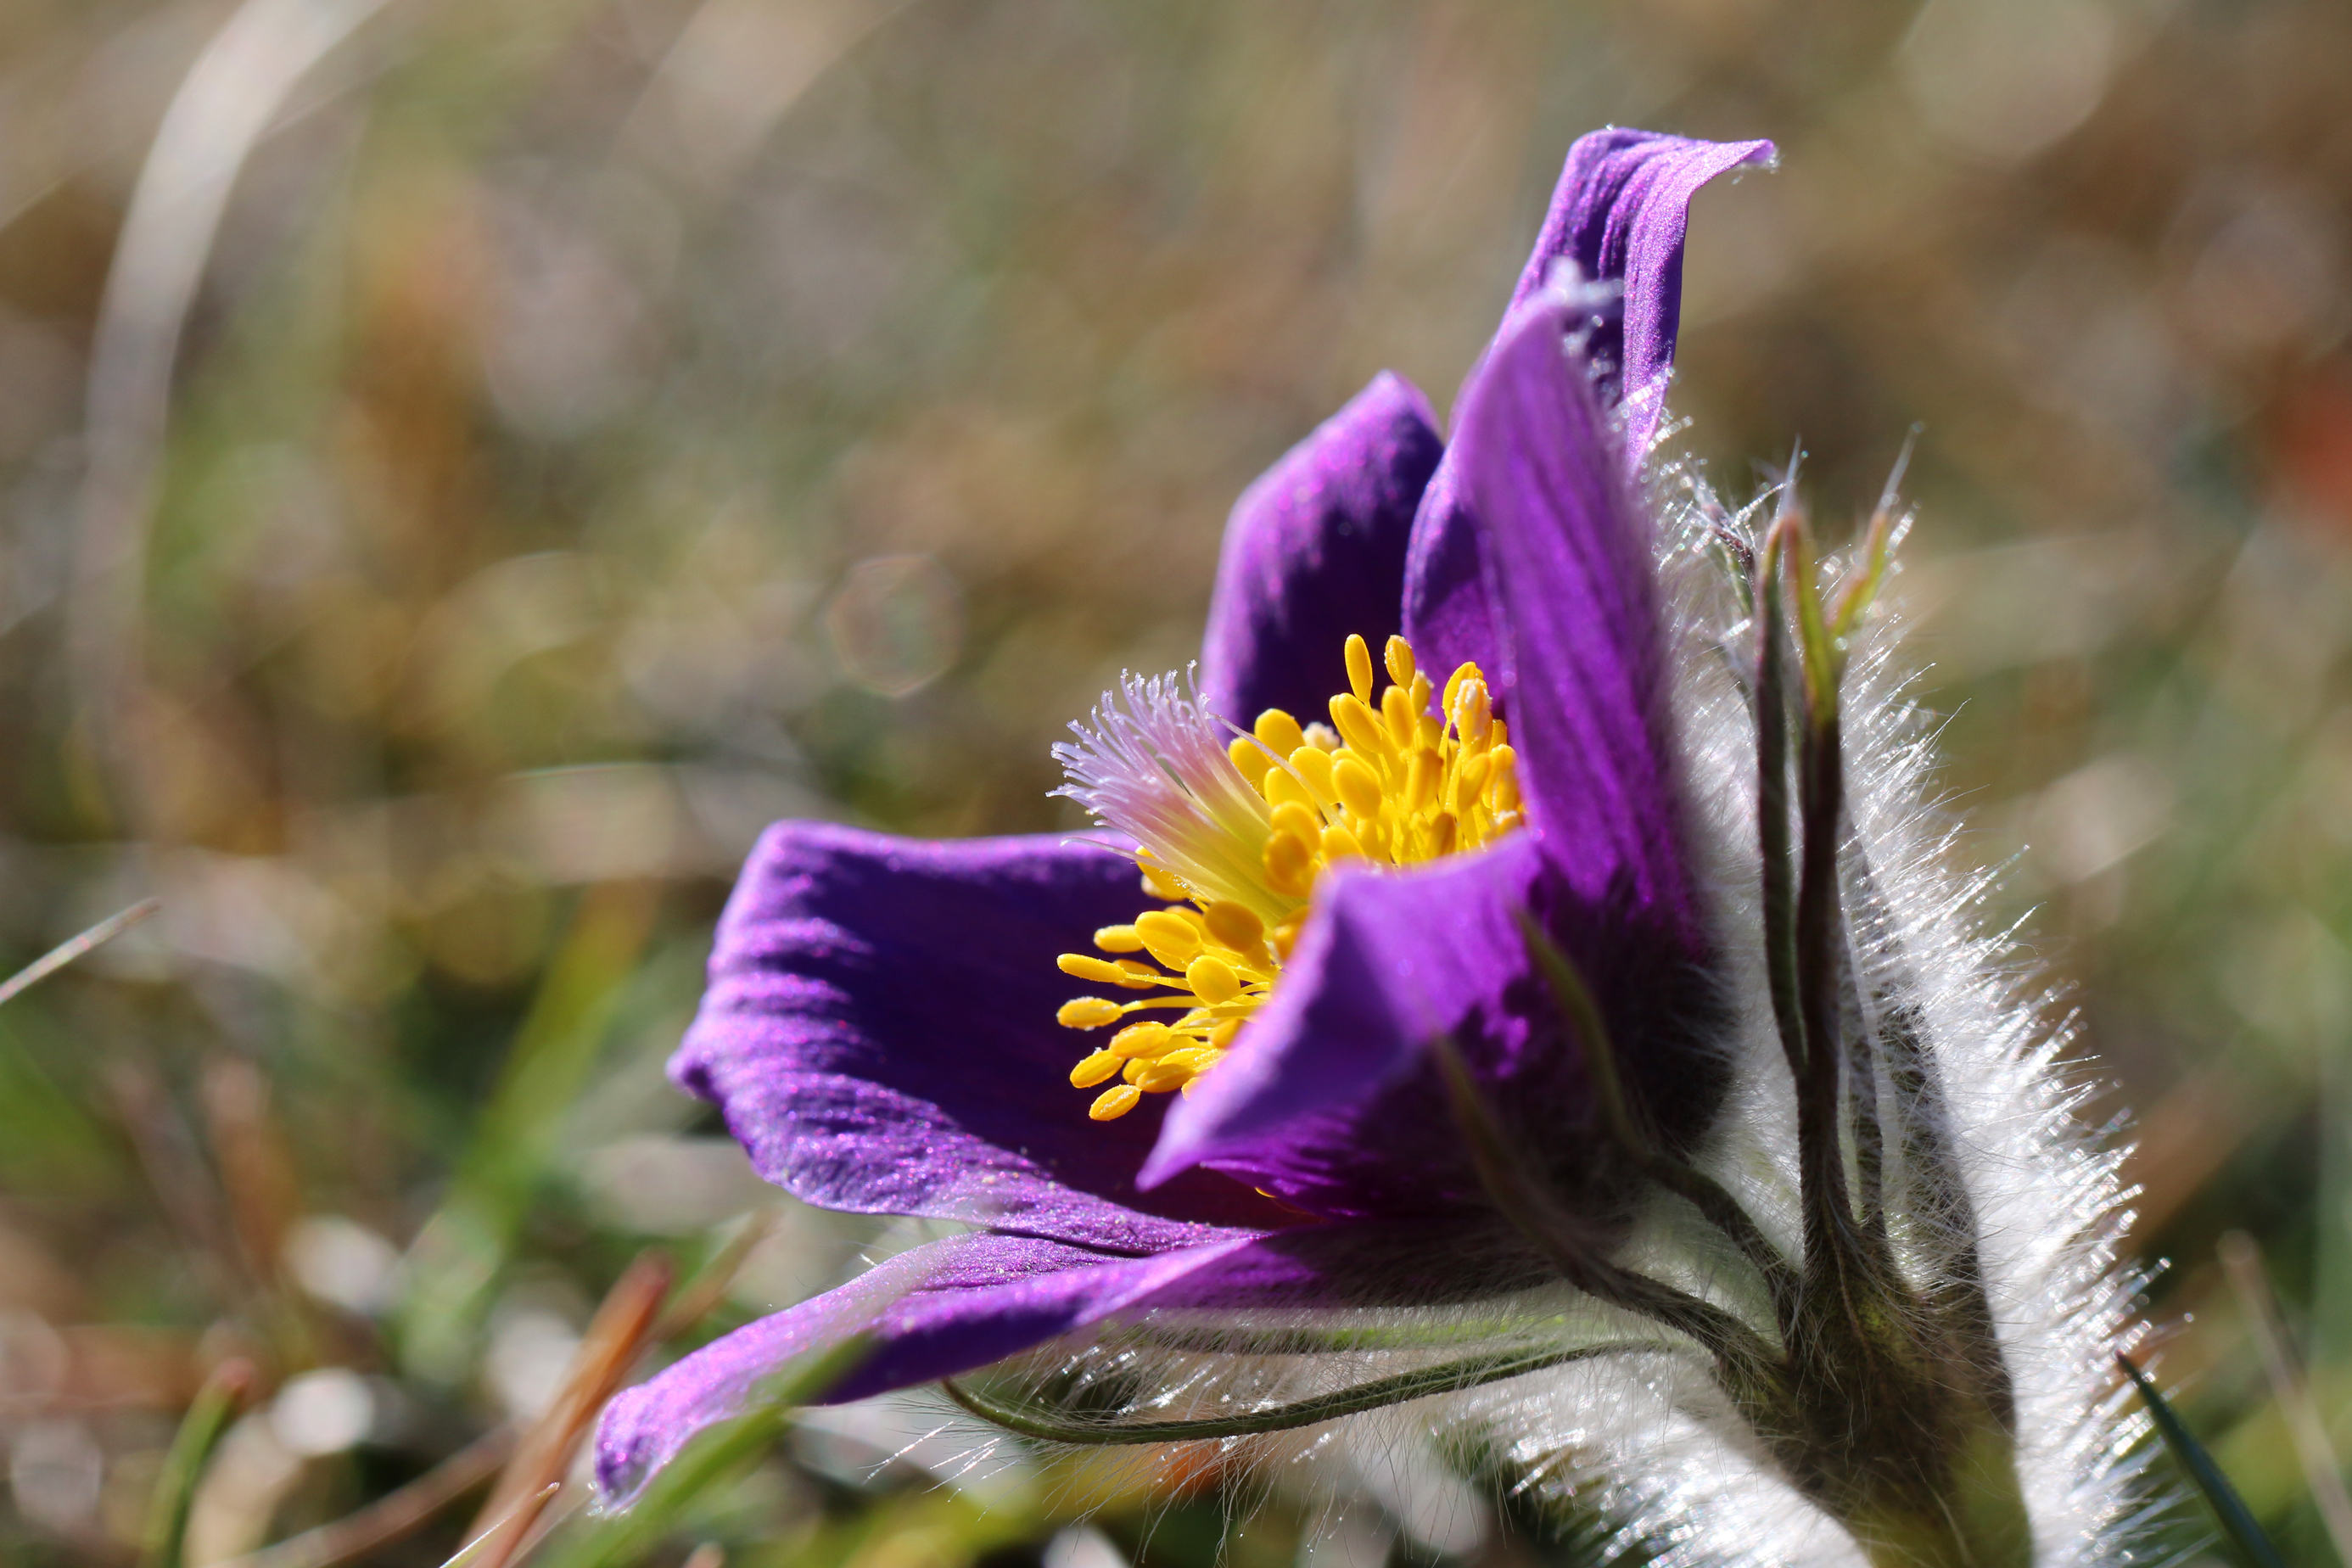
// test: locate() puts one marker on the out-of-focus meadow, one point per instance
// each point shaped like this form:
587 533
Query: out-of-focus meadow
464 467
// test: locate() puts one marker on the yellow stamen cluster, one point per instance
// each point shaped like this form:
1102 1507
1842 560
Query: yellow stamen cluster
1413 777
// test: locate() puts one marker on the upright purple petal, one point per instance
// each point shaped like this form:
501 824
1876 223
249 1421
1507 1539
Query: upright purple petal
1619 214
1584 660
1314 550
879 1034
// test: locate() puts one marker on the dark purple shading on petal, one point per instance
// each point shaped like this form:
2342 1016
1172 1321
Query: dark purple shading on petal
1586 655
1326 1103
1620 214
880 1032
1314 550
1449 613
954 1305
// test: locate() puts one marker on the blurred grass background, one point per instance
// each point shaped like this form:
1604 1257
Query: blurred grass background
464 467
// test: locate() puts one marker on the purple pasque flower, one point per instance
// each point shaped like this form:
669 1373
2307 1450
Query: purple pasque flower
879 1030
1575 1033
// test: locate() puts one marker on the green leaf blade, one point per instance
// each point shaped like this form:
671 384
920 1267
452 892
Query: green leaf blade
2237 1519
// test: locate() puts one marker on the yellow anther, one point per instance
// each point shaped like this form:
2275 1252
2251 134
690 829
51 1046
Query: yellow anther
1470 781
1298 820
1431 731
1085 967
1249 758
1359 668
1464 671
1113 1104
1279 731
1169 937
1087 1013
1137 1040
1161 1077
1472 713
1420 788
1313 764
1237 926
1193 1057
1398 657
1222 1035
1119 939
1284 787
1161 885
1356 726
1421 692
1212 980
1502 735
1286 935
1397 716
1359 788
1321 736
1503 785
1442 828
1339 843
1098 1066
1290 865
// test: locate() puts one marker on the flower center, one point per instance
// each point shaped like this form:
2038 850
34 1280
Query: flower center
1235 833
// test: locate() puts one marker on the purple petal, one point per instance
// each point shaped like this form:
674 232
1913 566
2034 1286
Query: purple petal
879 1034
1314 550
1619 214
933 1311
953 1305
1585 661
1325 1103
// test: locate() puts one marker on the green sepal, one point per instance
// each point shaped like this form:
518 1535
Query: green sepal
1818 652
1047 1423
1886 531
1211 1338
